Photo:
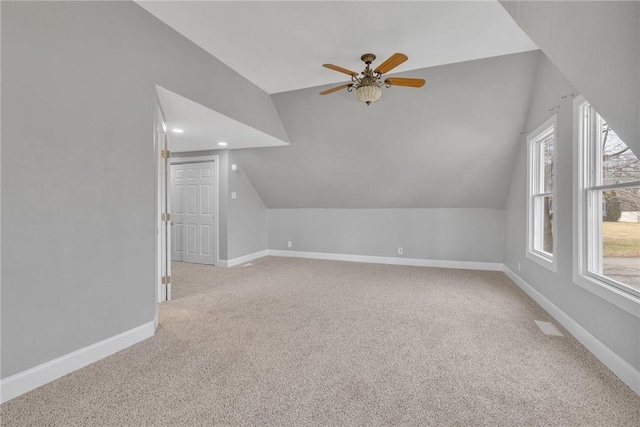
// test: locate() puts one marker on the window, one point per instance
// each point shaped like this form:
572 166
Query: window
541 194
608 207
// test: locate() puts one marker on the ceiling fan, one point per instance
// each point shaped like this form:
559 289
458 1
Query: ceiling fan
368 87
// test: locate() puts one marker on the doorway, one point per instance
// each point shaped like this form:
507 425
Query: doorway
194 202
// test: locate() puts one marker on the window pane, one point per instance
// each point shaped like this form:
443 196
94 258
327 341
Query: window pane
619 163
547 156
620 236
543 226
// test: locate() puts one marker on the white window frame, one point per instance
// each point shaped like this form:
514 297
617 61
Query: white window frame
586 248
533 223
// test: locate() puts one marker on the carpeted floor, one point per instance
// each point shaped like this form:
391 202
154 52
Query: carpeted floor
294 342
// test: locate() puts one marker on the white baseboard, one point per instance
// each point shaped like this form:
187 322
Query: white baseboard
627 373
37 376
467 265
417 262
241 260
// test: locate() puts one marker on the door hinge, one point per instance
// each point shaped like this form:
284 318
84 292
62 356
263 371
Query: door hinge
165 217
166 154
166 280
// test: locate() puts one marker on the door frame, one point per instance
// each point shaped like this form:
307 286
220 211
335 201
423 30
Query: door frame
160 143
179 159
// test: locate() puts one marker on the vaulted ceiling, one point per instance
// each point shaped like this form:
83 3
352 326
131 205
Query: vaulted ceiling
451 143
280 45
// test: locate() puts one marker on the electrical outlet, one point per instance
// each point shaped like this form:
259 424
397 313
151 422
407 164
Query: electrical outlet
518 266
400 250
234 195
289 244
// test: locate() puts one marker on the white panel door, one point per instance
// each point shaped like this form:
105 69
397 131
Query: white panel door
194 236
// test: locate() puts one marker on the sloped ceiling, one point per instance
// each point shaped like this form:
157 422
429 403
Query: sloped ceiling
202 128
280 45
596 45
450 144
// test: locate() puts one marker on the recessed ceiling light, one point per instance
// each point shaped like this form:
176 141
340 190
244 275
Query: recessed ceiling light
176 130
223 144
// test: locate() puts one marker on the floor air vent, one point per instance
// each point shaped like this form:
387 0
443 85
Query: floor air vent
548 328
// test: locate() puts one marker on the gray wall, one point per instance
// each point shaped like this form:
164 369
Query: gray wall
448 144
439 234
616 328
596 45
247 216
78 98
223 203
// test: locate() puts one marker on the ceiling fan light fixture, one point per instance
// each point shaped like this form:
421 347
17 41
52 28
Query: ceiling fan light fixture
369 87
368 93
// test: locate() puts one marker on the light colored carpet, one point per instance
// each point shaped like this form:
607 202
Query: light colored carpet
295 342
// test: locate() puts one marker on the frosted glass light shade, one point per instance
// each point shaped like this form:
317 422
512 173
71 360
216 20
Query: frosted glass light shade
368 93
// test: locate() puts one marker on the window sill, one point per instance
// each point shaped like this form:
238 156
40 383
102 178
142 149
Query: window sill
611 294
548 263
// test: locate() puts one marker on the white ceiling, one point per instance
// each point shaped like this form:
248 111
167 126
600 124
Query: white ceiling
205 128
280 46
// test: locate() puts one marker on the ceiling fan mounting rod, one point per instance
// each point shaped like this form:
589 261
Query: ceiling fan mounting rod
369 76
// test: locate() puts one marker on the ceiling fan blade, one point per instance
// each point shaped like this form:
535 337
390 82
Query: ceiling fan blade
340 69
335 89
405 81
391 63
